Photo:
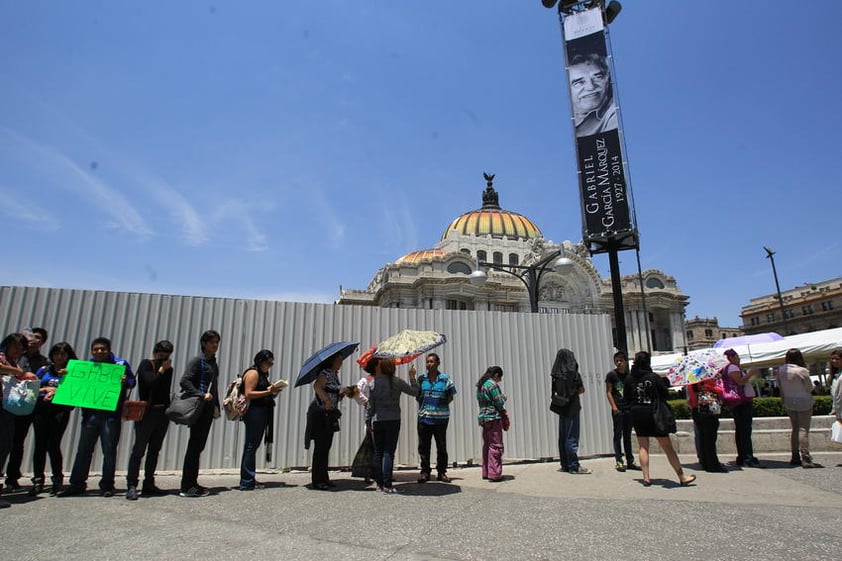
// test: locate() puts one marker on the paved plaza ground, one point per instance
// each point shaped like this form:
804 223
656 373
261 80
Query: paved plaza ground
774 513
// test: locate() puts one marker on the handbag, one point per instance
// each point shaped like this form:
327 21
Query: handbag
663 417
185 410
558 404
19 396
361 466
708 404
134 410
733 396
836 432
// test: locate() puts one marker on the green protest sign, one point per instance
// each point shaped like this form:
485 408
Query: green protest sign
95 385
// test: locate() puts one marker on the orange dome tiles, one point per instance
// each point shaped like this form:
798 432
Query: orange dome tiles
420 255
498 223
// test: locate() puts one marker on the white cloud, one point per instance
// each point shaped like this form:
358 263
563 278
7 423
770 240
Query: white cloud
193 228
18 208
329 220
236 211
94 191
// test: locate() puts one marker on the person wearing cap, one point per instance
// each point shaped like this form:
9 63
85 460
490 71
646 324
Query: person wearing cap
744 412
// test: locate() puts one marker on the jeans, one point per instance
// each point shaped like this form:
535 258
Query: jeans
743 416
568 441
256 420
22 424
49 425
622 434
96 425
492 449
148 438
195 444
799 440
385 443
426 434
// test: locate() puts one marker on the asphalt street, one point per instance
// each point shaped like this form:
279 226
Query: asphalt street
535 513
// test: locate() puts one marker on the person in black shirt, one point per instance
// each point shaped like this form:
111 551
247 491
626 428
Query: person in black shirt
258 417
154 381
614 381
200 378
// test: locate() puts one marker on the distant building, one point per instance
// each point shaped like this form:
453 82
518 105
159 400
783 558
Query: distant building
702 333
811 307
438 278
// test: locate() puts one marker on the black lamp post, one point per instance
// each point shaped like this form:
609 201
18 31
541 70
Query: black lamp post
770 255
531 275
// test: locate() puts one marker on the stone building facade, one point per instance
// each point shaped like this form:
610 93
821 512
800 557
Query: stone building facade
811 307
439 278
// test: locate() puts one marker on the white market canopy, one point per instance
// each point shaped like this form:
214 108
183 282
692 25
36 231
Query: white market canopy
815 346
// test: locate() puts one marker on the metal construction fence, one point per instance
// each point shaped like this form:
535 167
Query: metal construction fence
524 345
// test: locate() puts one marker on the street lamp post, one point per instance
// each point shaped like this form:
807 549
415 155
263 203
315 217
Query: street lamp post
770 255
531 275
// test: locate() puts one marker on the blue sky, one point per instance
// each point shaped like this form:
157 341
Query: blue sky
281 149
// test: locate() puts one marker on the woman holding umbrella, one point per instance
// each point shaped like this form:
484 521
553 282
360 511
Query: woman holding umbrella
323 419
643 387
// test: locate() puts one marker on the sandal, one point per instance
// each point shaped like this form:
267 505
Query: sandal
647 482
686 482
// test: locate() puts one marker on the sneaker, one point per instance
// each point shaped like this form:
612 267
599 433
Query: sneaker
753 462
581 470
197 491
106 493
131 493
425 477
37 489
56 489
391 491
443 478
633 466
620 466
5 504
12 486
807 464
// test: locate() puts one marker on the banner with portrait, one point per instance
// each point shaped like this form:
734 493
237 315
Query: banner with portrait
604 194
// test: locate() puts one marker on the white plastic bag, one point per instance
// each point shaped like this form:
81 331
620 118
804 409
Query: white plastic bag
836 432
19 396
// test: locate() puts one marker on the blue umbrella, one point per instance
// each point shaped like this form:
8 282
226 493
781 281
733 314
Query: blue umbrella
318 362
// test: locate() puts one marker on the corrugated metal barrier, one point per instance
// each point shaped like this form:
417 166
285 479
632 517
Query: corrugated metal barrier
524 345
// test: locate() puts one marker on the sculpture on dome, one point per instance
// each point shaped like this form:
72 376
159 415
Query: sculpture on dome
490 199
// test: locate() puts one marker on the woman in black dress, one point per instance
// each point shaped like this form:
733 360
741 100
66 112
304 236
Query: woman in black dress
643 387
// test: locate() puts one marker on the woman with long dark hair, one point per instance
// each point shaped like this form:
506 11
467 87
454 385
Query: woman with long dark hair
383 415
50 420
492 409
12 349
642 389
797 398
261 395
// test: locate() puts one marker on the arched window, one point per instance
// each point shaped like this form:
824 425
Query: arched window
482 255
513 259
654 282
458 267
498 258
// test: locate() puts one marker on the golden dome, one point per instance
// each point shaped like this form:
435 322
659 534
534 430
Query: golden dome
420 255
493 220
